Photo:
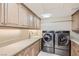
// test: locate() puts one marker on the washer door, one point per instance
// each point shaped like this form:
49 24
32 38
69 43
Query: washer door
63 39
47 38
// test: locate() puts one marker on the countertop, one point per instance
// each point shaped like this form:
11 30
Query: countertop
75 41
14 48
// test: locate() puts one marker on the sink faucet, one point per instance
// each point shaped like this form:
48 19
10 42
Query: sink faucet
30 34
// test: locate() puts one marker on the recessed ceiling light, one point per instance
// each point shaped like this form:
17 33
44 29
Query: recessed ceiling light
46 15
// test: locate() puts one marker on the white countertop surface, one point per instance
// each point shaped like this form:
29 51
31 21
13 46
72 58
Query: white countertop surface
75 41
14 48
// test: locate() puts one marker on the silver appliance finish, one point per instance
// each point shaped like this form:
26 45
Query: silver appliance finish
48 41
62 40
57 42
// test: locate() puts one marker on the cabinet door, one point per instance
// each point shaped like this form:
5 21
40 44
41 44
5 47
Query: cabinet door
75 21
36 48
1 14
20 53
74 49
38 23
28 51
35 22
31 20
25 52
23 13
11 14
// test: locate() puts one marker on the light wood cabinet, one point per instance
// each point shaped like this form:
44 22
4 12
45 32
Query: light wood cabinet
1 14
35 48
21 53
18 15
25 52
32 50
37 23
74 49
23 16
75 21
31 20
11 14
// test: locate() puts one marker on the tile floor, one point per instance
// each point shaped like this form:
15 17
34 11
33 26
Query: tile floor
46 54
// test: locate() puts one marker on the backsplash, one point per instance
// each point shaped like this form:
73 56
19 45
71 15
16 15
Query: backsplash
9 36
33 33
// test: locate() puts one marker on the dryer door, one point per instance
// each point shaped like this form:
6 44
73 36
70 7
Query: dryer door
63 39
47 38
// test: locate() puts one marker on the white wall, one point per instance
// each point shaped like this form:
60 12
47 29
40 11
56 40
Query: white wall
59 23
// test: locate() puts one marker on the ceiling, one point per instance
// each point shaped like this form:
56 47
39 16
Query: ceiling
56 9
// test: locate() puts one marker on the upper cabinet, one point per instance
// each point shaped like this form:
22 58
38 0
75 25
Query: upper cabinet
18 15
75 21
1 14
23 16
11 14
37 23
31 20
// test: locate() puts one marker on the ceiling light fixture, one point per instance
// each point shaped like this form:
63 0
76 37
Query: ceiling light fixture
46 15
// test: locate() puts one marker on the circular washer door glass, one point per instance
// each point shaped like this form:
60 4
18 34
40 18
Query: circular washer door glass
47 37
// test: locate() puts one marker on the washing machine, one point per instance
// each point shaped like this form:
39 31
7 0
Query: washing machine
48 42
62 43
